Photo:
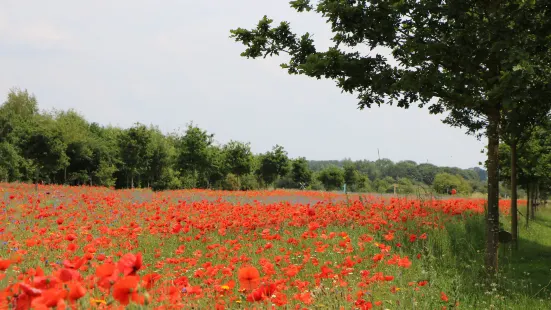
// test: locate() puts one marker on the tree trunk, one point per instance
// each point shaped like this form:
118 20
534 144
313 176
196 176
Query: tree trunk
533 202
528 199
538 197
492 216
514 198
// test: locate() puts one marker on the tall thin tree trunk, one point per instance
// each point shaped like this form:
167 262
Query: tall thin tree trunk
514 198
533 202
528 200
538 197
492 216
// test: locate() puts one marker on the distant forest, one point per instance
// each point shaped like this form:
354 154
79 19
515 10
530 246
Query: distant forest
62 147
382 174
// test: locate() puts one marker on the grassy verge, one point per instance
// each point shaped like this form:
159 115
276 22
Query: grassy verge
455 262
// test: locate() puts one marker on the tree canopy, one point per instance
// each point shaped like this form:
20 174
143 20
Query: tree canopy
474 60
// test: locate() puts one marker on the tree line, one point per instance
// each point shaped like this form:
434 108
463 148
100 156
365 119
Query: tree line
62 147
381 176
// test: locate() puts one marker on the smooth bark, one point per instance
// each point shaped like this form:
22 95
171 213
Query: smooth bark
528 203
492 215
514 196
533 202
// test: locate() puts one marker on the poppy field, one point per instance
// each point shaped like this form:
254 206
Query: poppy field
96 248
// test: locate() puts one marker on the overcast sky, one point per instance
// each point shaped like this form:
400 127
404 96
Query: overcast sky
171 62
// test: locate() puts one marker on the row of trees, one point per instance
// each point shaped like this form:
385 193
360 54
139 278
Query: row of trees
62 147
487 64
529 159
408 176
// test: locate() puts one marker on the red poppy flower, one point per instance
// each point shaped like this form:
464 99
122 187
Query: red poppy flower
125 290
129 264
249 278
4 264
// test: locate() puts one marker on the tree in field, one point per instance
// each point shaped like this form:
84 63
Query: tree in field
384 185
332 178
136 152
194 153
466 58
351 176
76 135
160 173
238 158
216 170
106 155
405 186
444 183
300 172
273 164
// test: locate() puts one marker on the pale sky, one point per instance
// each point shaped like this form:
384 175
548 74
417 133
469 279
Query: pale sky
171 62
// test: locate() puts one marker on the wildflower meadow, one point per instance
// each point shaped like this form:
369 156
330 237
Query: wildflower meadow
97 248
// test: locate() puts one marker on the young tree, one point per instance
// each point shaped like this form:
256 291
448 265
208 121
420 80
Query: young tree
444 183
161 174
332 178
238 158
76 134
273 164
106 155
300 172
351 176
470 56
136 151
193 153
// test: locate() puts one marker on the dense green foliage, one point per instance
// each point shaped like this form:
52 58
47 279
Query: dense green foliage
62 147
381 175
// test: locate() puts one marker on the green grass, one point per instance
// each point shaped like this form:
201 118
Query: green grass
456 262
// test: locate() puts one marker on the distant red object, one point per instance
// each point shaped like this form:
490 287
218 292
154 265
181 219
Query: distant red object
454 191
